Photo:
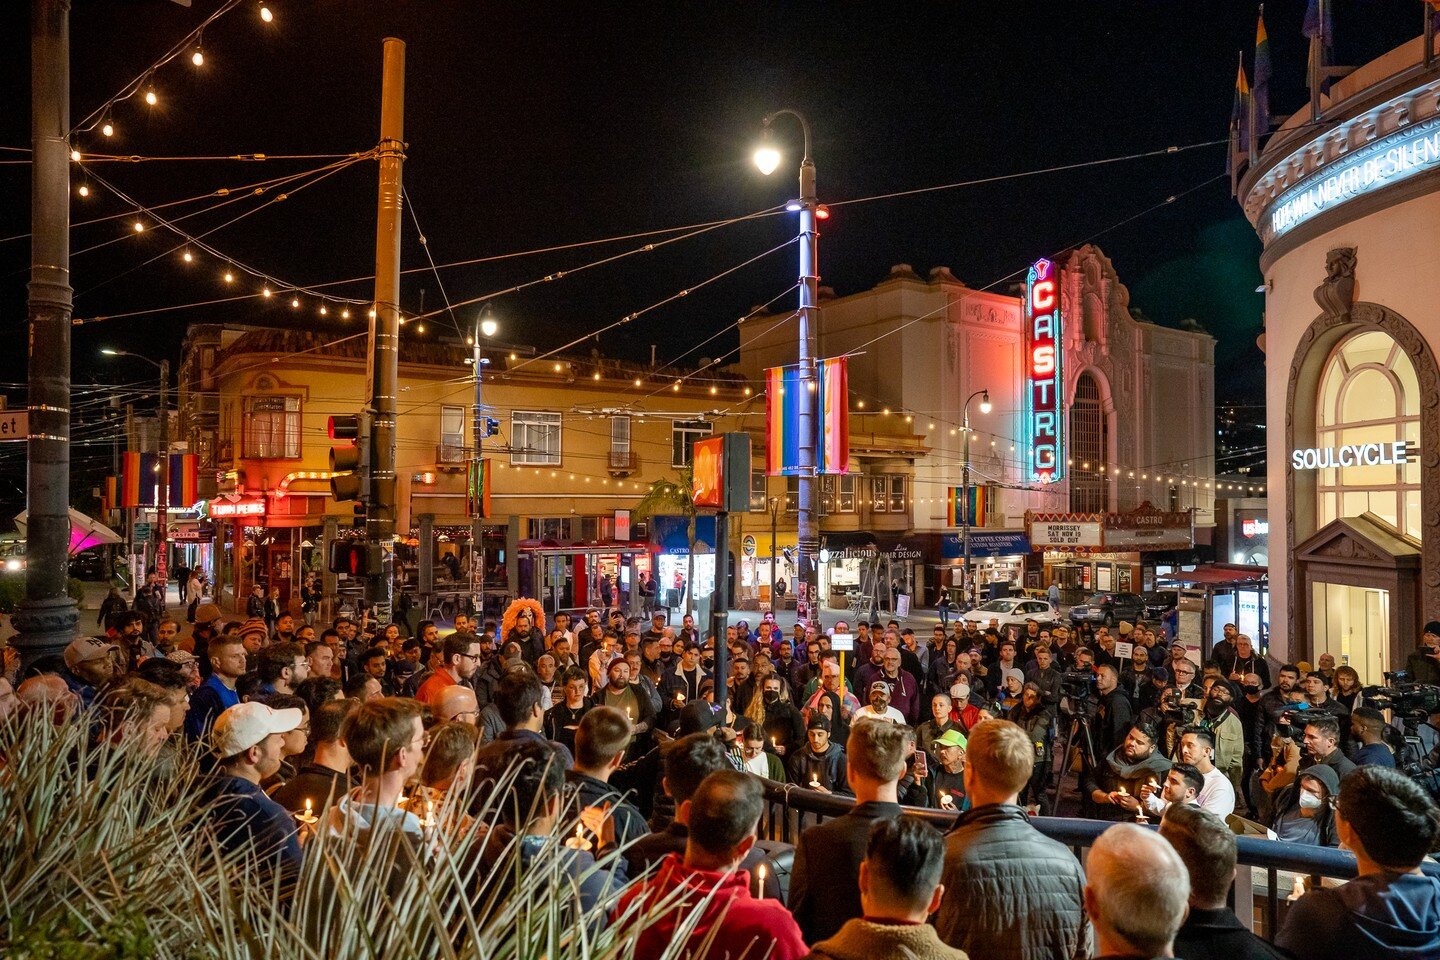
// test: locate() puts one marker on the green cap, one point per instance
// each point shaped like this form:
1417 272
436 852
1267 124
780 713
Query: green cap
950 738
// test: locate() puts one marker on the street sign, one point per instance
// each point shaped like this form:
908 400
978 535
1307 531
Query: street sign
142 533
14 424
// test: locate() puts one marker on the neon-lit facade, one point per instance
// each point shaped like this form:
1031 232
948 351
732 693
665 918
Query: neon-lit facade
1044 375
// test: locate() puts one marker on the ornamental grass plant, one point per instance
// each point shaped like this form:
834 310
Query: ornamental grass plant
105 853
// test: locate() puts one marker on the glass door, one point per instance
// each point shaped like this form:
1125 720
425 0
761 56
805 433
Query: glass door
1353 625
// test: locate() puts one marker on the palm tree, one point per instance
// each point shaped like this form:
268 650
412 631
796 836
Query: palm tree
669 498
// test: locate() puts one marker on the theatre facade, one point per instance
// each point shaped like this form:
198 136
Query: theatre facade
1347 205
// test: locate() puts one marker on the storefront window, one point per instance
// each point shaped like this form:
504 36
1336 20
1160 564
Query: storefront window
1353 625
272 428
1369 394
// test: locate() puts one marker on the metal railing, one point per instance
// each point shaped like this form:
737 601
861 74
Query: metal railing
1257 895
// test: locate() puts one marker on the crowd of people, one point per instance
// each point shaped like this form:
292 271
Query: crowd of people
609 729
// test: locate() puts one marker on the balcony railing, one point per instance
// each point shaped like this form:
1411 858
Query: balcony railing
451 453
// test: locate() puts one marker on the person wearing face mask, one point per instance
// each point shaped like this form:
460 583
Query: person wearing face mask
1219 719
784 728
1305 810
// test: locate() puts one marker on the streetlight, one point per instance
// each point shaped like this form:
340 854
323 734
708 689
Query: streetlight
985 407
162 508
767 159
485 326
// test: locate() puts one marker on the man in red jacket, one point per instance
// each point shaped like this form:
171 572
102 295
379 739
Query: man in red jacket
722 817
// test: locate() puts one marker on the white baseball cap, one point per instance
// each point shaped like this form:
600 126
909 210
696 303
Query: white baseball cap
242 726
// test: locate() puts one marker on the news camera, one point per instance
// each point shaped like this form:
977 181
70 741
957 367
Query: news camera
1176 710
1404 696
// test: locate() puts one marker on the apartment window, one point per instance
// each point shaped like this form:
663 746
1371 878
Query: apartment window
683 434
535 437
792 494
759 492
848 486
887 494
452 433
620 435
272 428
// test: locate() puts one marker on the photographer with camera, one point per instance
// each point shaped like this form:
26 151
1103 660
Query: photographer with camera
1423 666
1113 788
1277 699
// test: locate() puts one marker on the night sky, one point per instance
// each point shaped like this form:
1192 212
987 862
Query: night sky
540 124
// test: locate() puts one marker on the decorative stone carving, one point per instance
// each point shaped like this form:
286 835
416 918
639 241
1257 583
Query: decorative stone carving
1347 548
1337 294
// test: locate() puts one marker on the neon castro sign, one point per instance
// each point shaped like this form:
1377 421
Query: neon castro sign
1353 455
1044 378
1396 157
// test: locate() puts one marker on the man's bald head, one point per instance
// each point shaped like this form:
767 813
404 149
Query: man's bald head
457 702
47 692
1137 891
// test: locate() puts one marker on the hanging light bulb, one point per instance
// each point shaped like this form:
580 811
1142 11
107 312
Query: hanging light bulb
265 13
419 328
637 381
188 257
198 57
150 97
265 292
229 277
295 303
345 314
75 155
84 190
107 128
139 227
324 310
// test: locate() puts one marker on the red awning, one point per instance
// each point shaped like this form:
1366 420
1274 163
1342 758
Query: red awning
1217 575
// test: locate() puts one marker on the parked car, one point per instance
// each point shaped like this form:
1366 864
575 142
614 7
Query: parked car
1109 609
1157 602
1009 611
91 564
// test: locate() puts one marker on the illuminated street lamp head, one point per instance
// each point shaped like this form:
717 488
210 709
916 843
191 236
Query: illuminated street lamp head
488 326
109 352
985 402
767 158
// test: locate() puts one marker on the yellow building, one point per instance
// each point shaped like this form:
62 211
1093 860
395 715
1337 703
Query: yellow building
580 441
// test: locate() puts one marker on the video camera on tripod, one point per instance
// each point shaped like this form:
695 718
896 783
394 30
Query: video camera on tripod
1404 696
1078 695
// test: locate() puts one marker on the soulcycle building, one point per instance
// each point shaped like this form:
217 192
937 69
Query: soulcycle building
1346 201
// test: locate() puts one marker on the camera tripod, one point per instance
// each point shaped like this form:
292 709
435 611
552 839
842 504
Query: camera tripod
1078 735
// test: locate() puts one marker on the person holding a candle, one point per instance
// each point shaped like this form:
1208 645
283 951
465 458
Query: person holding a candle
601 741
821 765
756 758
326 778
947 781
247 740
1113 787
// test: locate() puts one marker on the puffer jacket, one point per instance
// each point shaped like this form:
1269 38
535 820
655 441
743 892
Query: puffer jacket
1011 893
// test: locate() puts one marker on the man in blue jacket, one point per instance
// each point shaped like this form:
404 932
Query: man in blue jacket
1391 910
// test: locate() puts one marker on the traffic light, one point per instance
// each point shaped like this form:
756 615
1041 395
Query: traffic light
492 426
355 558
349 457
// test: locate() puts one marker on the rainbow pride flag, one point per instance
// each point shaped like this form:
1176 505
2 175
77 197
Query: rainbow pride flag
184 480
782 418
955 505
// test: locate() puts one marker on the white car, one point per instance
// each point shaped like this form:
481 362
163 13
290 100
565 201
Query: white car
1009 611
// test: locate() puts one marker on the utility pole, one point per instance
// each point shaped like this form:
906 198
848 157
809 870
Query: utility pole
385 333
484 321
47 617
162 502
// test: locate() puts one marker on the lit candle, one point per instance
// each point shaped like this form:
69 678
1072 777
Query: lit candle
815 782
578 842
679 698
760 881
947 801
308 817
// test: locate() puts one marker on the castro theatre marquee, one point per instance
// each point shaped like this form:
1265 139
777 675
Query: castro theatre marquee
1347 205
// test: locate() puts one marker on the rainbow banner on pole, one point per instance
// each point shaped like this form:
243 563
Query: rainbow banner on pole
477 489
184 480
782 418
955 512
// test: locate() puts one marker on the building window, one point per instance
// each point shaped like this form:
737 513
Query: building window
272 428
683 434
887 494
1089 441
838 493
792 494
620 435
452 434
1369 394
759 492
535 437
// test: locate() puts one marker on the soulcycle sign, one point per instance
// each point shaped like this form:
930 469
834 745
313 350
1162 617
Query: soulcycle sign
1044 377
1352 455
1390 160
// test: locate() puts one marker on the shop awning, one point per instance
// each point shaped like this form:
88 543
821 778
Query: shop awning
85 532
668 534
1218 575
985 543
549 547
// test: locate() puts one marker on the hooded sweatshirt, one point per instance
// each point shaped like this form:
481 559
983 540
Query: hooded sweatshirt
740 924
1395 916
1115 772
